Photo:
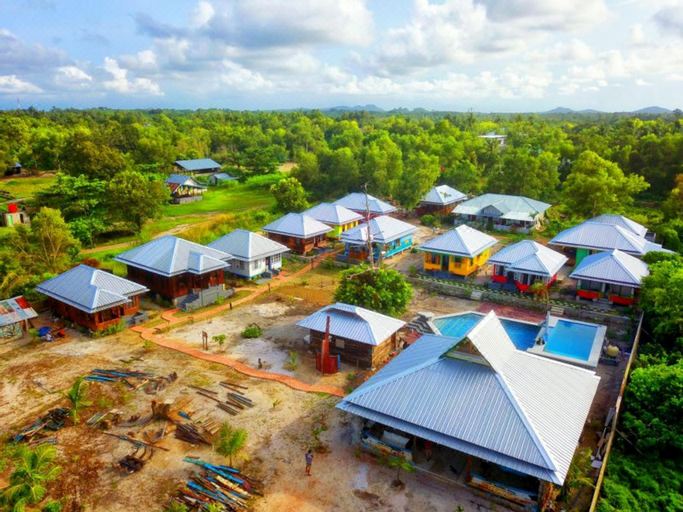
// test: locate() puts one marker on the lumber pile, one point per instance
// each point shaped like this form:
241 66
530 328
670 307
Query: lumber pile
235 400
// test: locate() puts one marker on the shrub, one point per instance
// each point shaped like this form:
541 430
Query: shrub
252 331
292 362
431 221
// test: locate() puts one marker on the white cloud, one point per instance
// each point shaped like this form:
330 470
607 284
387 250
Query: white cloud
239 78
202 14
72 77
670 19
11 84
120 82
546 15
637 34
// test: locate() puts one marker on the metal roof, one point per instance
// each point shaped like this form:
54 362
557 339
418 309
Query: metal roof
356 201
333 214
501 404
297 225
512 207
353 323
90 289
601 236
443 195
247 246
198 164
529 257
624 222
223 176
182 180
15 310
384 229
169 256
612 267
461 241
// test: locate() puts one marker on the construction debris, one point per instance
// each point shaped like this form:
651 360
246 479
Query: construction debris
114 375
52 421
193 434
235 402
137 442
133 463
159 383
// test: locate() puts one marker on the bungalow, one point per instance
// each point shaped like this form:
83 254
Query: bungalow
184 189
524 263
605 233
300 232
494 137
365 204
613 275
388 236
501 420
198 165
15 316
337 217
440 200
358 336
253 254
460 251
92 298
220 178
187 274
14 215
502 212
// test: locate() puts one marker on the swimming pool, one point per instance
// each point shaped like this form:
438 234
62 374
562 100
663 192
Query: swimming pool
570 339
522 334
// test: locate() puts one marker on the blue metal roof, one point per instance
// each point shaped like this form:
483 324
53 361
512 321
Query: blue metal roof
223 176
612 267
198 165
247 246
359 201
529 257
333 214
461 241
383 229
297 225
512 207
89 289
170 256
182 180
443 195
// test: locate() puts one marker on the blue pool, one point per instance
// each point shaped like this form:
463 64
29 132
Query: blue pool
570 339
522 334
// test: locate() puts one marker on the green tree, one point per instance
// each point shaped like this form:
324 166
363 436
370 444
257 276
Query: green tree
133 198
290 195
384 290
596 186
399 463
660 299
78 397
419 174
82 155
230 441
34 469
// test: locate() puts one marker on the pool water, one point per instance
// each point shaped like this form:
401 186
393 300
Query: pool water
570 339
522 334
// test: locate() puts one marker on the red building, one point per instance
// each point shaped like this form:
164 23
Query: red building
440 200
299 232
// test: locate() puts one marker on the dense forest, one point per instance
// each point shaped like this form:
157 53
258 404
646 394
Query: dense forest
110 167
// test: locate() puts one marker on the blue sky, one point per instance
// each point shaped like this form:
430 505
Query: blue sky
486 55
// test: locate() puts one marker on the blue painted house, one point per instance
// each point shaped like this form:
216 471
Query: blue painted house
388 236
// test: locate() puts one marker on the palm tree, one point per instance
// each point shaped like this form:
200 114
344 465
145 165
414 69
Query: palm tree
400 463
540 289
77 395
230 441
34 469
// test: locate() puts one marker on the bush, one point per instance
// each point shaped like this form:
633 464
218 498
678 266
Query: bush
252 331
431 221
292 361
383 290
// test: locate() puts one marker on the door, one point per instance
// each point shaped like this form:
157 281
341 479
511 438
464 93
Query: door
268 263
444 262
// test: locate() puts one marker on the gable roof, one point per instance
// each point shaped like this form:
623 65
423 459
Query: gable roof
353 323
601 236
222 176
508 207
333 214
184 181
512 408
297 225
615 267
90 289
169 256
461 241
16 309
356 201
620 220
383 229
529 257
247 246
198 164
443 195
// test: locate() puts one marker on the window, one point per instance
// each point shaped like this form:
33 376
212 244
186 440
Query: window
339 343
434 258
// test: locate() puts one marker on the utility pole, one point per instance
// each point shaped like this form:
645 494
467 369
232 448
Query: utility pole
371 257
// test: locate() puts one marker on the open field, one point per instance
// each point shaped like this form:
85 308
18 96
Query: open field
25 187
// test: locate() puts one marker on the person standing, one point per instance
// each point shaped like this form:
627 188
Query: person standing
309 462
205 340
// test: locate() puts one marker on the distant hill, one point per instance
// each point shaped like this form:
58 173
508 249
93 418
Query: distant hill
647 110
652 110
560 110
356 108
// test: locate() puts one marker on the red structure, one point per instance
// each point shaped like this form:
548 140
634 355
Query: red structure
324 361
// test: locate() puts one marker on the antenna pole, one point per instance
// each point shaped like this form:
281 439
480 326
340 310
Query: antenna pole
371 256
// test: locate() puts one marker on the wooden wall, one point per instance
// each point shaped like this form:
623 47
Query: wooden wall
361 355
171 288
95 321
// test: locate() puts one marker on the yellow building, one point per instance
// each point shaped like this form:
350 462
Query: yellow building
460 251
340 219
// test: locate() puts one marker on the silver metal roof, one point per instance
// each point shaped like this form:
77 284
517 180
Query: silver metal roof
198 164
501 404
384 229
600 236
529 257
443 195
89 289
170 256
461 241
513 207
182 180
297 225
612 267
223 176
356 201
333 214
247 246
353 323
14 310
624 222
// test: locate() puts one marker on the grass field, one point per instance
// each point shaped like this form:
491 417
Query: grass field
21 188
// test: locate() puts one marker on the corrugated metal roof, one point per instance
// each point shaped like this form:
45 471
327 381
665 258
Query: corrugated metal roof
384 229
247 246
624 222
182 180
520 410
199 164
90 289
297 225
612 267
529 257
600 236
353 323
333 214
222 176
443 195
170 255
515 207
356 201
14 310
461 241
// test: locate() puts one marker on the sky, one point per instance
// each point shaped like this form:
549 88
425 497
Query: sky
483 55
